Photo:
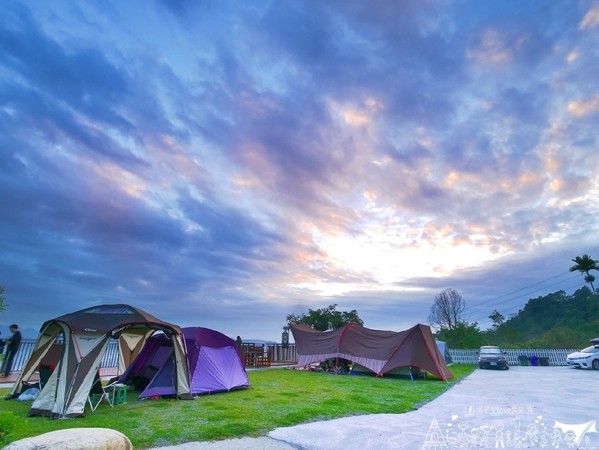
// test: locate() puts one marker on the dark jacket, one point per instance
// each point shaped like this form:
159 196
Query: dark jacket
14 341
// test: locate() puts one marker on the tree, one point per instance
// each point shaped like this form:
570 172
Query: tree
326 319
463 335
497 318
447 310
589 279
584 264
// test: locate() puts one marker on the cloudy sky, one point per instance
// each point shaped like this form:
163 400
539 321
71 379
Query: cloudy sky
225 163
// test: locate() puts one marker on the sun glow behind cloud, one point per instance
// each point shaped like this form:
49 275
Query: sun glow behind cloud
387 255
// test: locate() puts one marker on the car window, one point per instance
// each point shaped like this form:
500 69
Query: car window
492 351
591 349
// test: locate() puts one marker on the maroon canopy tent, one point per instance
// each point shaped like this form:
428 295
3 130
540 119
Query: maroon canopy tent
378 350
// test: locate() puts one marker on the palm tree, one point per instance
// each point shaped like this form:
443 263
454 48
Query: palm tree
584 264
3 305
589 279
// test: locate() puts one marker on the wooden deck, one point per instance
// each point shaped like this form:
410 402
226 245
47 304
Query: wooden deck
255 357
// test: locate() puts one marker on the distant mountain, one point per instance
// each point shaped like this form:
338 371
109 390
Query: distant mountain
27 333
258 341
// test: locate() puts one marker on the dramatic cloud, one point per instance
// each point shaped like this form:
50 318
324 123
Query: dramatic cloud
223 164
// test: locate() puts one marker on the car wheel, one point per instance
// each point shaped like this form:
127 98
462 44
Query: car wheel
596 364
480 366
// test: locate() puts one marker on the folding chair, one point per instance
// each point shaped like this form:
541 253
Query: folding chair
113 394
97 394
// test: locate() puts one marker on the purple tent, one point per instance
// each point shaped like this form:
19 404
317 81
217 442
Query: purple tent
215 364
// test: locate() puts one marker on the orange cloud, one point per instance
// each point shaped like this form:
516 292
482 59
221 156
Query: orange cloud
492 49
591 19
359 114
583 107
127 181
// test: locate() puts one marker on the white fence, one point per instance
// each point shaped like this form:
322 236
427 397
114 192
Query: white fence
554 357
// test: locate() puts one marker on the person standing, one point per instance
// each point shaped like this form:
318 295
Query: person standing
12 346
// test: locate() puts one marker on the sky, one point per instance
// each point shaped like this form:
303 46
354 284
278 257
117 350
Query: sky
226 163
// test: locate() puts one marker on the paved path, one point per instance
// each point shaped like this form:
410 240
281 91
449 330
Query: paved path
525 407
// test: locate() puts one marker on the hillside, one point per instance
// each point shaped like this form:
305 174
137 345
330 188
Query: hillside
556 320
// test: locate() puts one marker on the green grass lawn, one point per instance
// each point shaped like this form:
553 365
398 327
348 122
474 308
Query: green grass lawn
276 398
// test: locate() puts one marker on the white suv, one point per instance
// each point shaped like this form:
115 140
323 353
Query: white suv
587 358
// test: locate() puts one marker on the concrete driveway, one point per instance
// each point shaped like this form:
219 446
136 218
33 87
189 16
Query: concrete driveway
524 407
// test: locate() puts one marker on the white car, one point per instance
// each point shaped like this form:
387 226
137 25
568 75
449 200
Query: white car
587 358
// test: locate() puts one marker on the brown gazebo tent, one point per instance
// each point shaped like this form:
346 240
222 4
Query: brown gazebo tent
377 350
86 334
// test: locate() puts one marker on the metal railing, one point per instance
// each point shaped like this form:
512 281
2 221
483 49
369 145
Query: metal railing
22 355
109 360
282 353
277 354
